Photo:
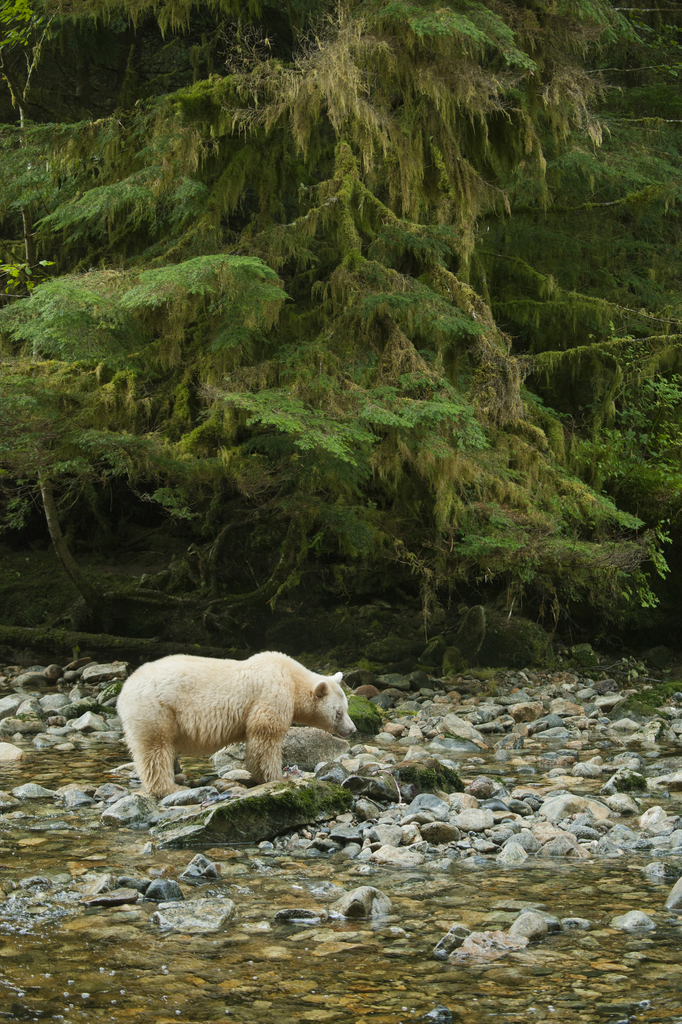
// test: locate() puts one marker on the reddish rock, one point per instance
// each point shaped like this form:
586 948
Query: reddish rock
367 691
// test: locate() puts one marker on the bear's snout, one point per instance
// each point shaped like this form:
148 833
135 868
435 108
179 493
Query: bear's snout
346 727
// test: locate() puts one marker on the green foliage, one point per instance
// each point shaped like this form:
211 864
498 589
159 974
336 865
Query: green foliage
404 289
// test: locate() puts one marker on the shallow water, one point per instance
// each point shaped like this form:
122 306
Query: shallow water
112 964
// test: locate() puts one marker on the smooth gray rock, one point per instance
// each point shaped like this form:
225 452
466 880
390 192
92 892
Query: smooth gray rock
571 924
187 797
533 926
53 701
634 921
511 854
307 747
104 673
674 900
428 802
475 819
131 810
452 939
365 901
194 916
32 791
9 705
89 722
387 835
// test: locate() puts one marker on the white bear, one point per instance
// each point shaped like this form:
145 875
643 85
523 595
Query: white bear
188 705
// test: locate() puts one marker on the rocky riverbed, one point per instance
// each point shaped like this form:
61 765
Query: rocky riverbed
505 847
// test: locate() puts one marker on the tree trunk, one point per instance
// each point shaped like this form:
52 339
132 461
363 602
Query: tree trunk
67 644
92 597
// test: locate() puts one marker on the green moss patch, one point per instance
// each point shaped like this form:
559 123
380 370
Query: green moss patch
428 776
364 715
646 701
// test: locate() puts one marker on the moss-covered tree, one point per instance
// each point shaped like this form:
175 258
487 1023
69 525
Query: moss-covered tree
350 289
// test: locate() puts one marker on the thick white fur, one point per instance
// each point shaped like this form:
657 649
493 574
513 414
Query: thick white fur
188 705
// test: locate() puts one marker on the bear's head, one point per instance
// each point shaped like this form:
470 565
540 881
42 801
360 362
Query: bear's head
331 706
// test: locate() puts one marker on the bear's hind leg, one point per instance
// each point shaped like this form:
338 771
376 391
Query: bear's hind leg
155 766
264 756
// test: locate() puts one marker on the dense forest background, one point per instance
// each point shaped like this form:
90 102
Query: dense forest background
313 307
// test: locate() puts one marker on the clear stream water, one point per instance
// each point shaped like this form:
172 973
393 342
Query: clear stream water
113 964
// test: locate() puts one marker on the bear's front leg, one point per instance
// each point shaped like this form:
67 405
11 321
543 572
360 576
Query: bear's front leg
264 755
156 768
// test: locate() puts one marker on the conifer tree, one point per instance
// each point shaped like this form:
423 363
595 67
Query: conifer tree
332 276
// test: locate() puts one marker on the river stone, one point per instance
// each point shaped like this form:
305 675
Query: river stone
563 806
29 680
376 787
331 771
525 839
451 940
476 819
674 900
429 802
652 817
186 797
262 813
483 947
564 845
570 924
634 921
74 798
397 857
621 803
194 916
32 791
394 681
625 725
586 770
30 706
527 711
115 898
8 802
53 701
439 832
89 722
455 726
22 726
387 835
9 704
365 901
131 810
672 782
163 890
624 781
306 747
511 854
10 752
530 924
104 673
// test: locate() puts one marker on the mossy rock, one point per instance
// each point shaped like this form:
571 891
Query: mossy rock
453 662
264 813
583 656
110 691
514 643
364 715
394 649
429 776
629 782
645 702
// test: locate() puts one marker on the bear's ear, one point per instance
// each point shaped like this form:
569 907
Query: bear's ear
337 678
321 689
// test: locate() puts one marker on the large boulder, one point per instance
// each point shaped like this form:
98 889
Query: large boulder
263 813
513 642
305 747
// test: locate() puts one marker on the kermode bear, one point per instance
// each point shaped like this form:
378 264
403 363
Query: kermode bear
188 705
